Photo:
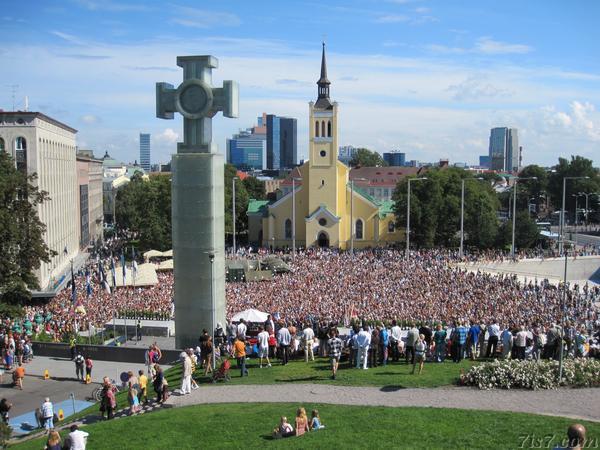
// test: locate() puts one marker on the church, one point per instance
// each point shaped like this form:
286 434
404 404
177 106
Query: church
326 206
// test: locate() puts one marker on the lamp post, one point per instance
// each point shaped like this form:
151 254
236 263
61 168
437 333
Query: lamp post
462 214
514 213
233 212
352 212
576 214
408 215
294 179
561 237
211 258
587 195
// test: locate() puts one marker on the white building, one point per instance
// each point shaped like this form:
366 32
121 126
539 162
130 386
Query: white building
47 147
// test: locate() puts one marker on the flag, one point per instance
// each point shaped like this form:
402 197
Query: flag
134 263
88 285
73 288
114 272
123 266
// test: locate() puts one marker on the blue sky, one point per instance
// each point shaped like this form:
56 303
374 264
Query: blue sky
426 77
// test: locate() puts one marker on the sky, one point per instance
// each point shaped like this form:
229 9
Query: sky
428 78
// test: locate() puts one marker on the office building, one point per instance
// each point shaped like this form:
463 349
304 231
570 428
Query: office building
484 161
504 149
91 214
42 145
282 142
395 158
346 153
145 151
247 150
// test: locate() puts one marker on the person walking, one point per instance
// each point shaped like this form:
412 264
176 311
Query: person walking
263 346
284 338
47 411
89 364
308 338
239 351
334 345
363 340
186 381
420 349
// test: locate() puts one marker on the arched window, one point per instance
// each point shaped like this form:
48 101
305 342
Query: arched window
391 226
21 154
20 143
323 129
329 128
2 147
359 229
288 229
317 128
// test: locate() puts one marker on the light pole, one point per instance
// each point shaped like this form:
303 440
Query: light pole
294 179
408 215
462 214
561 237
576 214
352 212
233 211
211 258
587 195
514 213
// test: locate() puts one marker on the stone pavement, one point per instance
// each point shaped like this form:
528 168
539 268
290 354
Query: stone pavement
574 403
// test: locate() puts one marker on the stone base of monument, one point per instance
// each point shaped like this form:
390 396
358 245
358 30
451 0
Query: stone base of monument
198 231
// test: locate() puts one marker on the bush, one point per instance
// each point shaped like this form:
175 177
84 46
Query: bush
5 432
509 374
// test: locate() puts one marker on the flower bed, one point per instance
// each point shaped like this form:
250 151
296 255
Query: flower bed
511 374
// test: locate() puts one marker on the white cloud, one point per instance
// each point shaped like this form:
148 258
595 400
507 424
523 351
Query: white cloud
90 119
476 88
392 18
168 136
489 46
201 18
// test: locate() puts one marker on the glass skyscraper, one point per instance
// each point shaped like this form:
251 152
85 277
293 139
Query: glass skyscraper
395 158
504 149
282 142
247 150
145 151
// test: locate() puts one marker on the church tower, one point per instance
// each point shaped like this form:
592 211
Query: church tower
323 147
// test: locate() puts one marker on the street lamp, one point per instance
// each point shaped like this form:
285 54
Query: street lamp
587 195
211 258
514 213
561 241
294 179
233 212
352 212
462 213
408 215
576 215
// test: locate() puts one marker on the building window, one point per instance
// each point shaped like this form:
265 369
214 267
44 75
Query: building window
391 226
329 128
323 153
323 222
322 182
323 129
358 231
21 154
386 194
372 192
317 128
20 143
2 148
288 229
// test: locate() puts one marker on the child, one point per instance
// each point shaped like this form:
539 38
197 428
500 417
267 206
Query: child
134 402
315 421
301 422
194 359
283 430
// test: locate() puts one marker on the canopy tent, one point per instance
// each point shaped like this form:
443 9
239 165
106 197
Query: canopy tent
168 254
250 315
152 254
145 276
165 266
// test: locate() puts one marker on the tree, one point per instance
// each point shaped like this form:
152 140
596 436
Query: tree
255 188
534 190
367 158
241 203
22 244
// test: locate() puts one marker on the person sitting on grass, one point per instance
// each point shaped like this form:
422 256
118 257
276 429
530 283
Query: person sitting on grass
301 422
315 421
284 429
54 441
576 438
420 348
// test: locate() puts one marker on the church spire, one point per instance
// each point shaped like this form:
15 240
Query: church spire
323 84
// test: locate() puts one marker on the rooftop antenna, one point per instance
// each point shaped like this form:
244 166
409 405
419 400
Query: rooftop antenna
26 103
13 88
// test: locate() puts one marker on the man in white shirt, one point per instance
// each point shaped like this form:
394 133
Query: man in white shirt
284 338
242 328
77 438
521 343
507 342
395 338
48 414
308 336
363 340
263 346
493 335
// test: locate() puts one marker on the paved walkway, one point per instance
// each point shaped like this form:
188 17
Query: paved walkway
574 403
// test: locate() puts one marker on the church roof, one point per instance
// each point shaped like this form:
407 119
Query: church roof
323 79
323 101
257 206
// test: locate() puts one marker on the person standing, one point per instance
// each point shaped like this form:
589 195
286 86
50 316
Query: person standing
363 340
493 336
335 351
308 338
239 351
395 338
439 338
263 346
459 339
186 381
208 352
374 348
521 342
473 339
5 406
420 349
143 381
284 338
89 364
411 340
79 365
242 328
47 411
138 328
507 342
384 342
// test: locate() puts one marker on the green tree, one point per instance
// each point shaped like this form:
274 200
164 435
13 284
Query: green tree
22 244
367 158
255 188
241 205
532 191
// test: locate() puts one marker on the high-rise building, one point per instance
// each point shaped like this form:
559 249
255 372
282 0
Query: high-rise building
145 151
484 161
248 149
504 149
395 158
42 145
346 153
282 142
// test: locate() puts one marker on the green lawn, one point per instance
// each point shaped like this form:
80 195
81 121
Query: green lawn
249 425
394 374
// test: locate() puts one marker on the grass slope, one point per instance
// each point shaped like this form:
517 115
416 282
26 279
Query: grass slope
250 425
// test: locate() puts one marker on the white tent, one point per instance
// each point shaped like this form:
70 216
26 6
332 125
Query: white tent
250 315
165 266
168 254
152 254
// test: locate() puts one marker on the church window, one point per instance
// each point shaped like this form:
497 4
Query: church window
288 229
358 231
323 129
1 144
329 128
323 153
323 222
322 182
317 128
391 226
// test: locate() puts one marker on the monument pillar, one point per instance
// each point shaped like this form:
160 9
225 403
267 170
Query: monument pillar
197 197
